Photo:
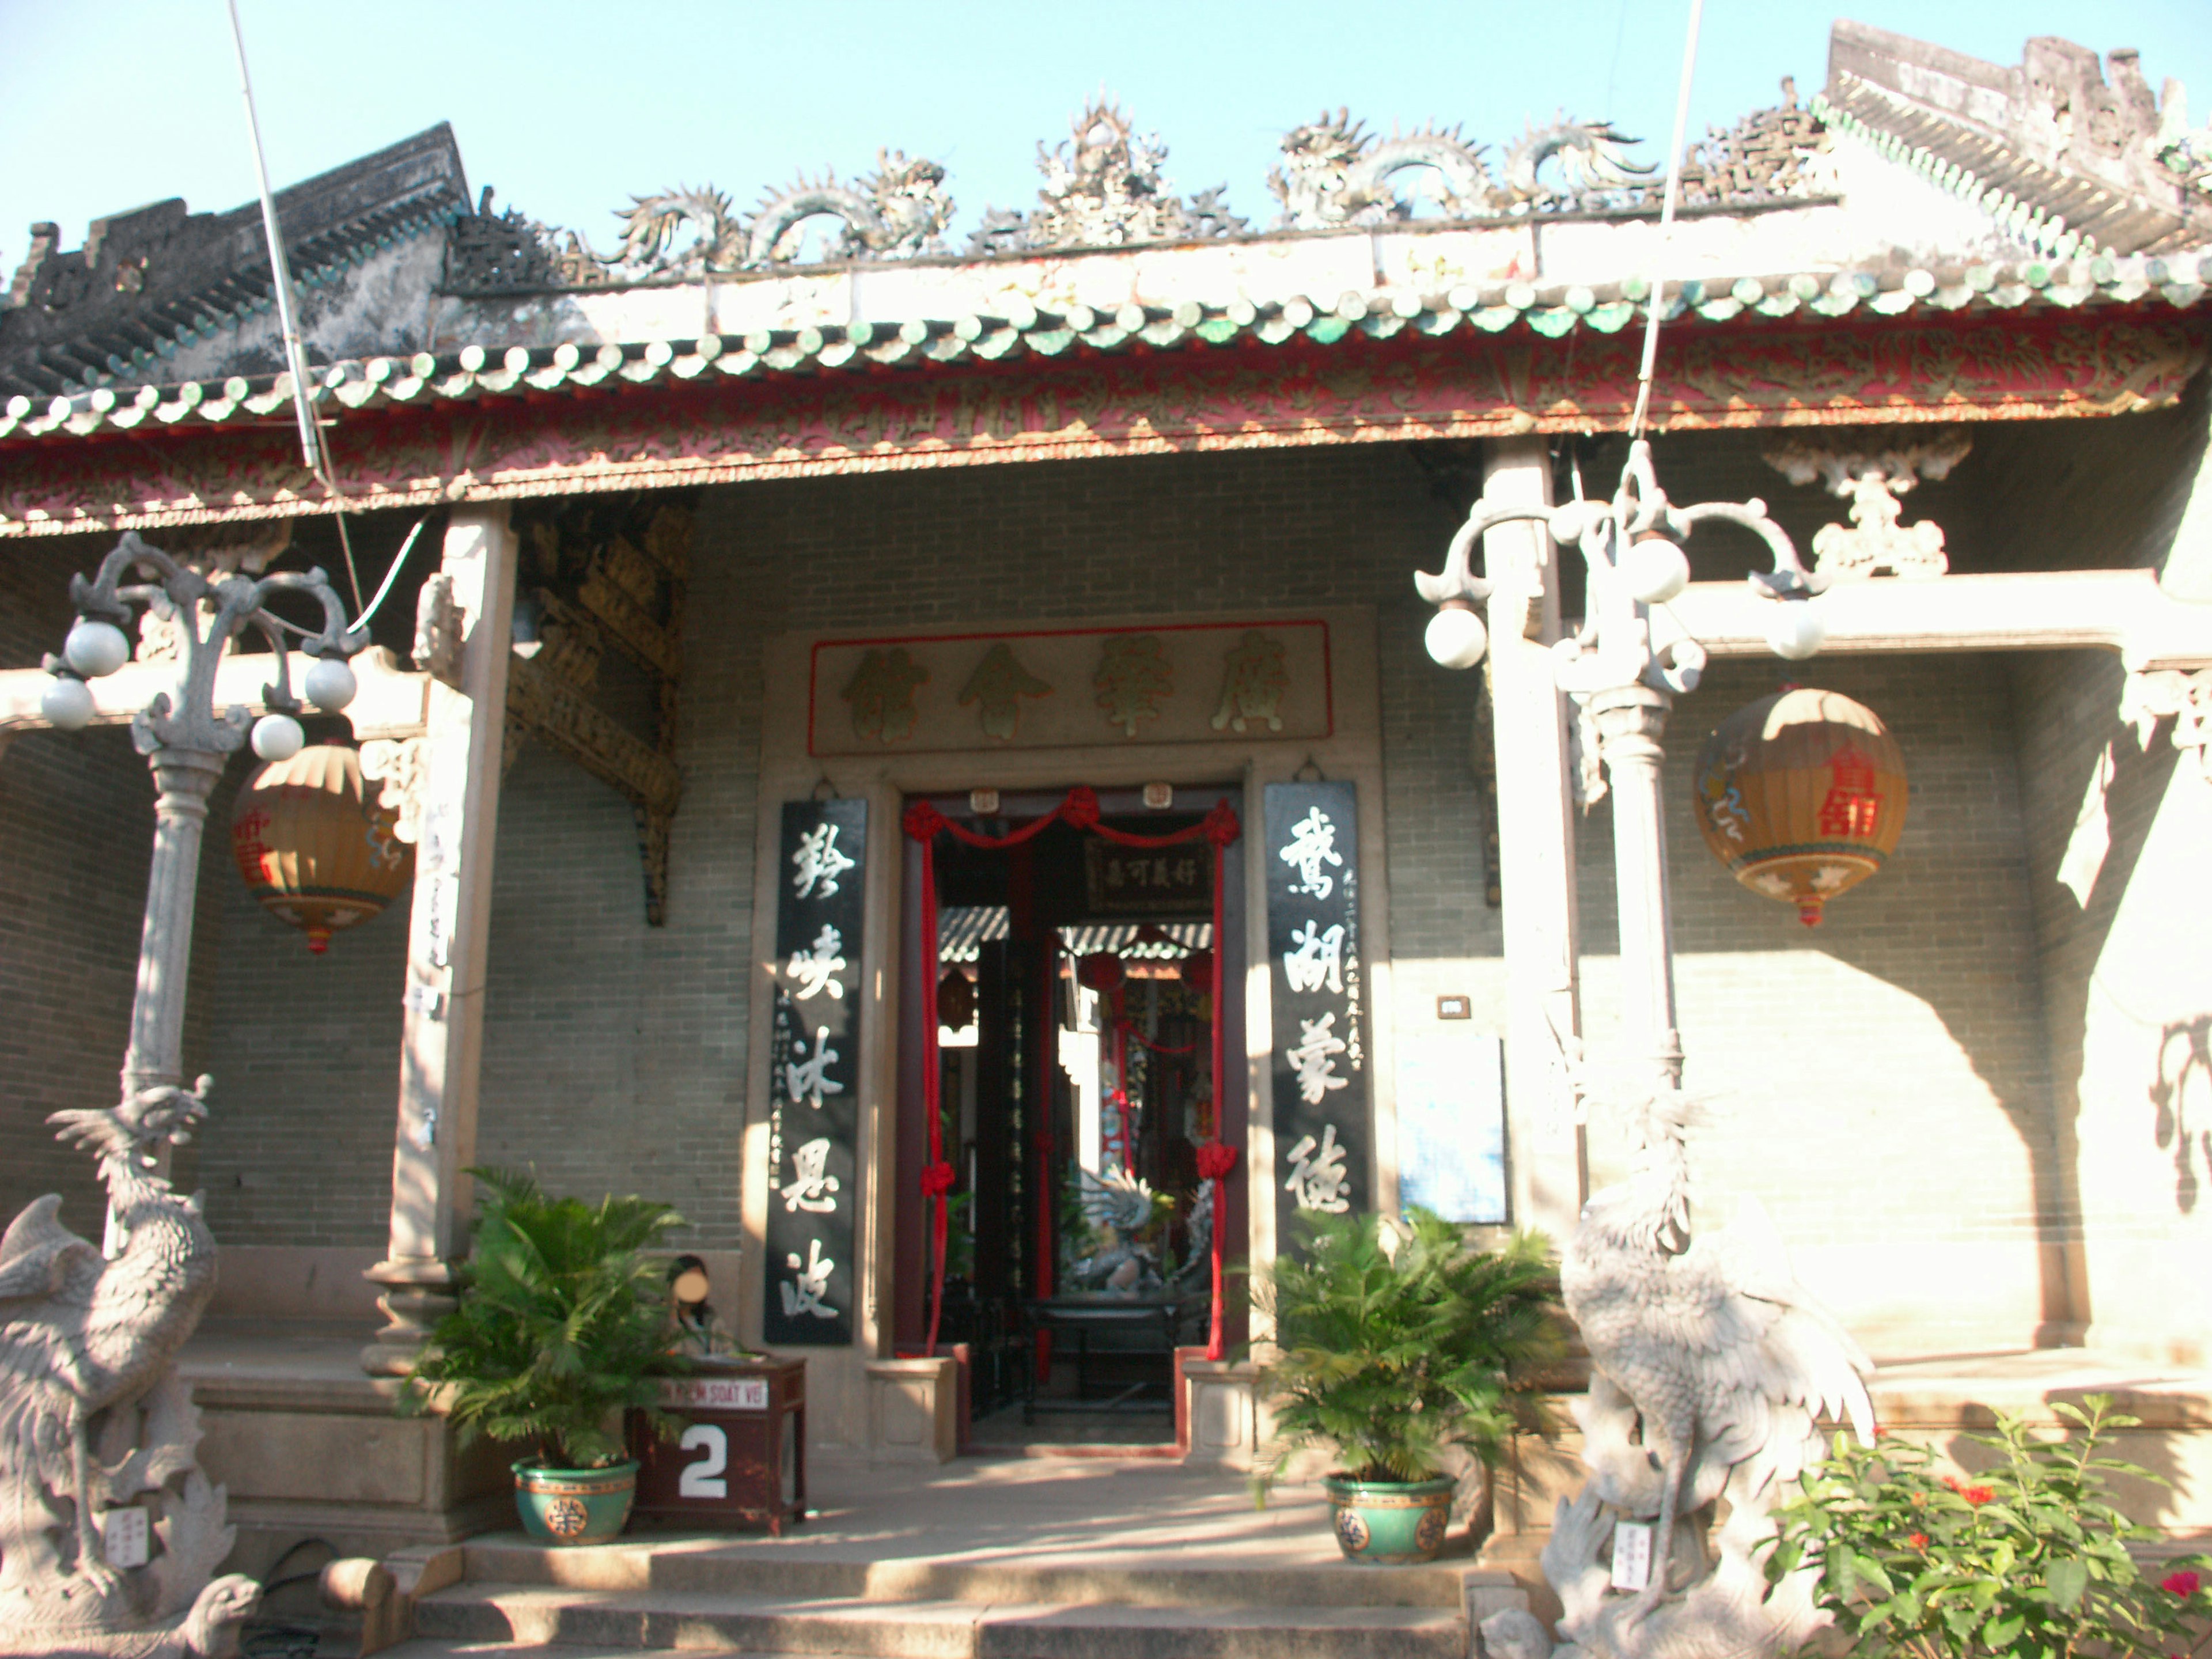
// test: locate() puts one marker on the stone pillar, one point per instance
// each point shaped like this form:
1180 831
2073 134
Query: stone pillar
183 781
1630 721
1536 846
455 779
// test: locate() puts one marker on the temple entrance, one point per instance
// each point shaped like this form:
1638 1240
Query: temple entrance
1072 995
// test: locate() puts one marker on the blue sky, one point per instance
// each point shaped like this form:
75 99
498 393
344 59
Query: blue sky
569 108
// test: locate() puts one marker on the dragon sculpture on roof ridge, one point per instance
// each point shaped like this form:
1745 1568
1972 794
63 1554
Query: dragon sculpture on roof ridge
898 211
1335 173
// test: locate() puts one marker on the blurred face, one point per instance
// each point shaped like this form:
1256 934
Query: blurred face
690 1286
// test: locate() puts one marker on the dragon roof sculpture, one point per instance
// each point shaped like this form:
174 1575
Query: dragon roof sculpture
1104 188
896 212
1334 172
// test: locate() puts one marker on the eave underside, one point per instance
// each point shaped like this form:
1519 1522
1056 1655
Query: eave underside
666 436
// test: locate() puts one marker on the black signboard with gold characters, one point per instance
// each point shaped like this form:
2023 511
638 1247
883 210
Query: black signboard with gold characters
1135 881
814 1070
1317 973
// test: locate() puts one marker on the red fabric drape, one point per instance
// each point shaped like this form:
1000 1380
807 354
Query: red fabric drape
1079 811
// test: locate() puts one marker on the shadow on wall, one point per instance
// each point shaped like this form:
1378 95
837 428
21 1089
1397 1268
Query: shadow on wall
2185 1050
1948 925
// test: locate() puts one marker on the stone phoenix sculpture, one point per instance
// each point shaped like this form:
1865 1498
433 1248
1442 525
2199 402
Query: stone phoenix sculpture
97 1434
1710 1364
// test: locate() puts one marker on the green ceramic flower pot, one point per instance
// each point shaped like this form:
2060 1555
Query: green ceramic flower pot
574 1506
1390 1523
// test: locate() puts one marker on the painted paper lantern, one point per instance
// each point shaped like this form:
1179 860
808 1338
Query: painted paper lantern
1802 795
315 843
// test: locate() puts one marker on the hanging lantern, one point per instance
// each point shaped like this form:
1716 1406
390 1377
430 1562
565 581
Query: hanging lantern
1101 970
1802 795
1197 972
316 845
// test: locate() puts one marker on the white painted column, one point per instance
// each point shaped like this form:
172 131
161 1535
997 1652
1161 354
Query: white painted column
457 781
1535 847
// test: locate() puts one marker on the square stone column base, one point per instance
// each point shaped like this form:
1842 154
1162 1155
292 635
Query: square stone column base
1218 1411
914 1411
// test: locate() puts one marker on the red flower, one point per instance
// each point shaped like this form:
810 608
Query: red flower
2184 1585
1977 1496
1952 1482
1918 1540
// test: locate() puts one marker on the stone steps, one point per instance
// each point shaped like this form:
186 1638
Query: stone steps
517 1617
749 1568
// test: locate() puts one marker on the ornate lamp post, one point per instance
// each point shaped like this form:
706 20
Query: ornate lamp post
186 740
1624 667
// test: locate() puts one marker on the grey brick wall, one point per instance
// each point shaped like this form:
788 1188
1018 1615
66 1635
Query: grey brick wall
1884 1085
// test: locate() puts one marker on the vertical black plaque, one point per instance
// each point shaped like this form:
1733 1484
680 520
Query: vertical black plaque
814 1072
1318 974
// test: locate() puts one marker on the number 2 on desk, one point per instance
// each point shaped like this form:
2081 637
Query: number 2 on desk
704 1478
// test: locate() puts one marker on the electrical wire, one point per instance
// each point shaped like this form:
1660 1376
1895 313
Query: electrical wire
1666 224
312 446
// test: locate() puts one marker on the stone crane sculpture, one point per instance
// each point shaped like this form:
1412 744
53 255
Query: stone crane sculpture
92 1415
1726 1361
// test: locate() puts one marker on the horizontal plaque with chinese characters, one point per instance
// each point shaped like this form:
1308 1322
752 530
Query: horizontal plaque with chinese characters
1072 687
814 1069
1317 974
1131 881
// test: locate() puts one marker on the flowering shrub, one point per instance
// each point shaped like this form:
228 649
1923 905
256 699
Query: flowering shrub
2027 1558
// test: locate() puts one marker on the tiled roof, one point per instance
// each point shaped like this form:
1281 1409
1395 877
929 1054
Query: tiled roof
1553 311
159 280
2061 213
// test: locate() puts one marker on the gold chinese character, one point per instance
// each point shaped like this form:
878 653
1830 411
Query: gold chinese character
1253 681
1134 677
1000 684
881 692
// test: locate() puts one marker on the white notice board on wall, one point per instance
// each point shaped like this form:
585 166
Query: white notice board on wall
1451 1123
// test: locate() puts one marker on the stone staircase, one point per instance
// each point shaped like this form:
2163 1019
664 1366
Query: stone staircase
725 1595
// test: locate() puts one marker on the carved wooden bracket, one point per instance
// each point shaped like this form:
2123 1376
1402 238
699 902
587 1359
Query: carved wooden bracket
598 585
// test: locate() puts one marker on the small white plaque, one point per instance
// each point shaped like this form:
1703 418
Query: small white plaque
123 1537
1631 1556
715 1393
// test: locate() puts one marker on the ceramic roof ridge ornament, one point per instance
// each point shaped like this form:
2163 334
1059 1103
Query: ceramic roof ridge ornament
898 211
1105 186
1334 172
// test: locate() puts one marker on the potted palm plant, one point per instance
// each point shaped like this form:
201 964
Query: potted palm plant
562 1320
1397 1340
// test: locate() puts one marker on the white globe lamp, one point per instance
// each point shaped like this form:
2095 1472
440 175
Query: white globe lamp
1456 636
67 704
1795 629
96 648
330 685
1654 569
278 737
